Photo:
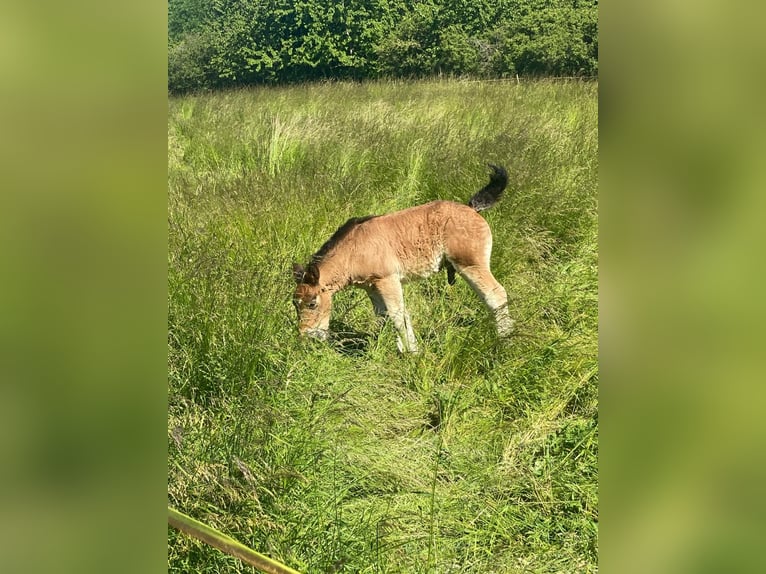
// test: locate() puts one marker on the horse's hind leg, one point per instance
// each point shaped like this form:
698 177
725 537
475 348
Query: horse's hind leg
390 291
493 294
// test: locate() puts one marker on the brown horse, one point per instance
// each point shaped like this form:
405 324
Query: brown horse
378 253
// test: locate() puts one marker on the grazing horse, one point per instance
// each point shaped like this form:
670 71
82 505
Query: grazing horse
378 253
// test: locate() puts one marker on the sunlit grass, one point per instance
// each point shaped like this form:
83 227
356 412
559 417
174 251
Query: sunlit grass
474 456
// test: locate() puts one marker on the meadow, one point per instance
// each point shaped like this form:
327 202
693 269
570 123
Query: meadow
476 455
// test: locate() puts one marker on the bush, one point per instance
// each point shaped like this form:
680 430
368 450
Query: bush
458 53
412 48
559 40
244 42
189 66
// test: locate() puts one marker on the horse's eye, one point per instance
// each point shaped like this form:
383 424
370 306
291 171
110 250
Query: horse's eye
313 304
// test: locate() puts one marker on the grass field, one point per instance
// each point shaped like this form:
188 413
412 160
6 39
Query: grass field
475 455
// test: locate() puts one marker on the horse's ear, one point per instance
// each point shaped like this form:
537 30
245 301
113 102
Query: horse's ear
312 275
298 272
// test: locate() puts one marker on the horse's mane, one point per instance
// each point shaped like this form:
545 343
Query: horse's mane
339 234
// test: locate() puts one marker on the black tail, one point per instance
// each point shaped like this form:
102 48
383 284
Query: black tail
490 194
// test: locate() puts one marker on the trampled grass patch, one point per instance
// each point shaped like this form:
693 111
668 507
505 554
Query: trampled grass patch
475 455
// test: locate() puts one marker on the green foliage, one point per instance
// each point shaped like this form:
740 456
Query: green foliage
243 42
458 52
474 456
411 49
186 17
553 39
189 66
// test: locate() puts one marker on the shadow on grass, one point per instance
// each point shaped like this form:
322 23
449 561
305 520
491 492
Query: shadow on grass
348 341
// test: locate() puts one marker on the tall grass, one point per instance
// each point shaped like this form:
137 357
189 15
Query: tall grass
474 456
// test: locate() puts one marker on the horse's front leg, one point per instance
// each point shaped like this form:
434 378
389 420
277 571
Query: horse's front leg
390 291
377 302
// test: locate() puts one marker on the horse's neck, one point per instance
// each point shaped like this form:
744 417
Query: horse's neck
333 275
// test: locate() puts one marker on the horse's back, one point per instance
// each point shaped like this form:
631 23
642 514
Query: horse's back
432 220
415 241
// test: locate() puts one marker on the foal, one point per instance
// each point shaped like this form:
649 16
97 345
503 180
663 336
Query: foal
378 253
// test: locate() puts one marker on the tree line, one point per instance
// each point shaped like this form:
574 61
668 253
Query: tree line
222 43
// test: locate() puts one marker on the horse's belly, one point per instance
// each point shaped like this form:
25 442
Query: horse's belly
422 267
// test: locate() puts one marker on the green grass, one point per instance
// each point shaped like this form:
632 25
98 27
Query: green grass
474 456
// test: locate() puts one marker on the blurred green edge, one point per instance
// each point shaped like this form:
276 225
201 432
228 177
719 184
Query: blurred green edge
224 543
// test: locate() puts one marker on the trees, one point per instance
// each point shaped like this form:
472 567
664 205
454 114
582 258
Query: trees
239 42
553 38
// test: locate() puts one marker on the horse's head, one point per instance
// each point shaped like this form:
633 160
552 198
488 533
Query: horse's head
312 305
